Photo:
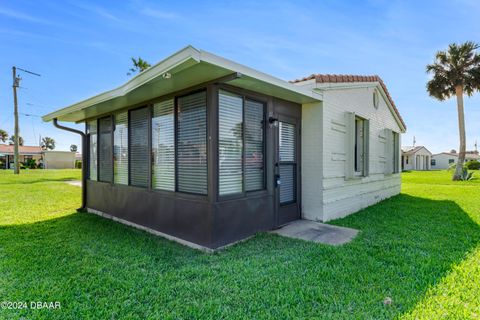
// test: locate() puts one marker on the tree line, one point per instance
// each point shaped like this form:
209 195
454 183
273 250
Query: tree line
46 144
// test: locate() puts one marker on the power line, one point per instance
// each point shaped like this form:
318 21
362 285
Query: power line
29 115
35 74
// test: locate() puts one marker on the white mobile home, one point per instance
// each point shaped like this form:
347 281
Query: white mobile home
444 160
350 145
416 158
206 151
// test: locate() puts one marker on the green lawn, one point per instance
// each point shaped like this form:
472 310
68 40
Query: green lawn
421 249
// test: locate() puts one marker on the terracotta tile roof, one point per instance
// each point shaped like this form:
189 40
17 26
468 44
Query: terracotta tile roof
342 78
8 149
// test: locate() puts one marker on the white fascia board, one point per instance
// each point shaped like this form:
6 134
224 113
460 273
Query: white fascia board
180 60
411 151
445 153
423 147
261 76
173 62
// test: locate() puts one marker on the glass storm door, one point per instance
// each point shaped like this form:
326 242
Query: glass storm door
287 171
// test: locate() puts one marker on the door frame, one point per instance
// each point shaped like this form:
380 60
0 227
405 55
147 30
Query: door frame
292 211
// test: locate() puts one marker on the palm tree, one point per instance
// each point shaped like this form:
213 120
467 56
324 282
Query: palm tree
11 141
456 71
48 143
73 148
3 135
139 65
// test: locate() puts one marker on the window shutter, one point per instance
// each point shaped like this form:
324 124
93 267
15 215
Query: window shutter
388 151
396 152
349 145
92 157
105 157
230 143
192 143
163 146
139 157
254 158
288 166
120 148
366 148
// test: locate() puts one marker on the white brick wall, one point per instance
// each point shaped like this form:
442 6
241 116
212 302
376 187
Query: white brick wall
441 161
326 194
312 186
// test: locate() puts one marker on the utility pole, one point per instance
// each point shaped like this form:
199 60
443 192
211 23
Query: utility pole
16 83
16 142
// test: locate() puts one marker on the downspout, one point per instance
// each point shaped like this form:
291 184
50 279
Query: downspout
84 161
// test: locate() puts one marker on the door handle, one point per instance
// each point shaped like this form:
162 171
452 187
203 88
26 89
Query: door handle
278 182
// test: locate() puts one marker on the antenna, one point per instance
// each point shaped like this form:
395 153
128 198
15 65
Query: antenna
30 72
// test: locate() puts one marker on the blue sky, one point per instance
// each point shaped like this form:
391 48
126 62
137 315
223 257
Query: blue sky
82 48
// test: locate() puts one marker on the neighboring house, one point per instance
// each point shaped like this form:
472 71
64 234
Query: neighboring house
416 158
206 151
444 160
25 153
472 155
49 159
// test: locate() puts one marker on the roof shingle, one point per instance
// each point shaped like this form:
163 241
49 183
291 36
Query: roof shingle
6 148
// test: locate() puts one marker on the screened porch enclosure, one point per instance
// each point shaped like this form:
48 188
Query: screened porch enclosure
198 165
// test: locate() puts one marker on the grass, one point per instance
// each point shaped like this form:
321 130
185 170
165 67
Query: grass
421 249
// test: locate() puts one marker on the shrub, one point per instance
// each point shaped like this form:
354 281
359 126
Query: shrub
472 165
466 175
78 164
31 163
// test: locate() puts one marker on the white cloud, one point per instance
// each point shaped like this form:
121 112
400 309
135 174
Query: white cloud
102 12
21 16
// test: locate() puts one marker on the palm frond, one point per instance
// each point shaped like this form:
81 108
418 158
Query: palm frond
459 65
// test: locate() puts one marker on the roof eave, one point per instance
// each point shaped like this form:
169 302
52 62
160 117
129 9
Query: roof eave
188 55
177 62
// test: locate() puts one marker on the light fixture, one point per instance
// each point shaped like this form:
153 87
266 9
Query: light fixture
272 121
166 75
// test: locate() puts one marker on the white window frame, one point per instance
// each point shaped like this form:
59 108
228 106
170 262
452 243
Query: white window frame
351 144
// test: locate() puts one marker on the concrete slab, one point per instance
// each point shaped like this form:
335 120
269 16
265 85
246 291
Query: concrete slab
76 183
317 232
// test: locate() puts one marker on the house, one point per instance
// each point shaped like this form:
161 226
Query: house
205 151
25 153
416 158
472 155
444 160
49 159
